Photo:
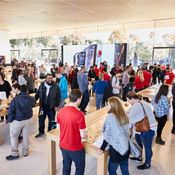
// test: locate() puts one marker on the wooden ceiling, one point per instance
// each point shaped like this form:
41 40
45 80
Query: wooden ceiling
26 16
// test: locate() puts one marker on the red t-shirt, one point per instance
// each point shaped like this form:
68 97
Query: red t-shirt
71 120
138 83
106 77
101 69
170 79
96 70
147 78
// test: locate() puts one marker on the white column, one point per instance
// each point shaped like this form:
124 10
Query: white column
5 45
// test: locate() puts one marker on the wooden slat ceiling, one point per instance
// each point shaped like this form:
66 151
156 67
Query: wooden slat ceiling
23 16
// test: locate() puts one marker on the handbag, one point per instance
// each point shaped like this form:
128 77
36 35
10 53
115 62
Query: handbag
135 149
143 125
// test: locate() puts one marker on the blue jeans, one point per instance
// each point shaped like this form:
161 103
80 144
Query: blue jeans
78 157
112 167
146 139
99 100
51 117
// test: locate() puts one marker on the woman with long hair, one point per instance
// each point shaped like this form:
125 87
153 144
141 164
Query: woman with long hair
116 135
139 81
161 106
136 114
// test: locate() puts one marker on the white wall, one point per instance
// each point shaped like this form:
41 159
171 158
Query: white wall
4 45
70 50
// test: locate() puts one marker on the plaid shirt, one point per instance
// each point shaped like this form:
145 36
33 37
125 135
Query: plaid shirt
162 108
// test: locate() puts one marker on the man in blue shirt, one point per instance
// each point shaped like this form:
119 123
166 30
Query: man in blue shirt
20 117
99 89
83 83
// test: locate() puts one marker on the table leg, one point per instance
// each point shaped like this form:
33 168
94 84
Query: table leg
51 157
102 161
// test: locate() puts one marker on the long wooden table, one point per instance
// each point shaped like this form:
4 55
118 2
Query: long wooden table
94 122
151 91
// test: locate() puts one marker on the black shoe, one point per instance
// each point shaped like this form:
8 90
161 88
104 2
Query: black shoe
139 159
39 135
144 167
1 120
172 131
25 155
10 157
20 138
160 141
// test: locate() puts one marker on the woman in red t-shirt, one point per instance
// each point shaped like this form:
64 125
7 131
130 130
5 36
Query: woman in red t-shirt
139 81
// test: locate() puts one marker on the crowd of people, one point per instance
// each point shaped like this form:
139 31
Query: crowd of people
108 87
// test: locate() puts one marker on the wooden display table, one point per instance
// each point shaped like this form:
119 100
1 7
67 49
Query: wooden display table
94 123
151 91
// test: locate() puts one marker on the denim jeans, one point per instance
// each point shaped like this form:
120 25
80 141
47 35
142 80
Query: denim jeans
78 157
51 117
112 167
125 92
99 100
84 101
146 139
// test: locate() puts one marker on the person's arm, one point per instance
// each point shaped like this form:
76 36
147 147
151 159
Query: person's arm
83 134
37 95
11 111
86 80
94 87
82 126
58 99
166 103
33 102
104 145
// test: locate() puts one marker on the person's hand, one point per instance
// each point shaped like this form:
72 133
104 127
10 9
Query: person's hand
56 109
98 150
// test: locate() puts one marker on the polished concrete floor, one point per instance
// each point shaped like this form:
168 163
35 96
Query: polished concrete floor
36 162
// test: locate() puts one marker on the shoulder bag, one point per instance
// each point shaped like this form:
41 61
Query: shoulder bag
143 125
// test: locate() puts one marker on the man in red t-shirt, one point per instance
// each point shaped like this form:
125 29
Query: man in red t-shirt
169 77
96 70
106 76
72 131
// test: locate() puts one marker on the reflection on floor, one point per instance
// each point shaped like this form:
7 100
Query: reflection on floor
36 162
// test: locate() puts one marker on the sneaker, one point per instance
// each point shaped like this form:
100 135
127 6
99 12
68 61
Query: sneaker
10 157
39 135
139 159
160 141
144 166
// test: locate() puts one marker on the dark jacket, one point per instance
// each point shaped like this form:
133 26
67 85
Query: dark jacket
21 107
30 82
53 99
